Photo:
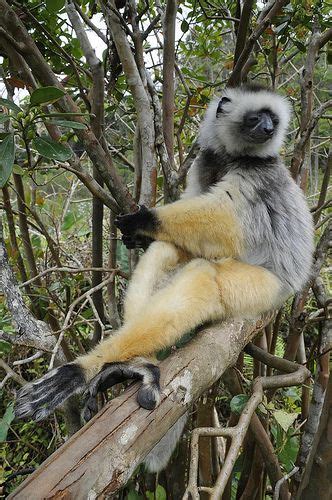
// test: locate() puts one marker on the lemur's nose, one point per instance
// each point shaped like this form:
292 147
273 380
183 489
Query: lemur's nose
269 130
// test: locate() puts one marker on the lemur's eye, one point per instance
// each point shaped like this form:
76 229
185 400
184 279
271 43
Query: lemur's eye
222 101
253 119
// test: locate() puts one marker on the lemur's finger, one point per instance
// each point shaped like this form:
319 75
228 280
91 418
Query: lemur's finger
130 223
40 398
136 241
113 373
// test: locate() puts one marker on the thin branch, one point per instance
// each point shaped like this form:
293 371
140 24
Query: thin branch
168 76
235 77
11 374
74 270
281 481
89 23
37 355
84 297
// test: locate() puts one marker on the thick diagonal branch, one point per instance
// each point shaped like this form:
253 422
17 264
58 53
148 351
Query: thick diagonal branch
101 457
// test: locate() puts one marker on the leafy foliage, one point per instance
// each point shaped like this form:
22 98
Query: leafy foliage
58 204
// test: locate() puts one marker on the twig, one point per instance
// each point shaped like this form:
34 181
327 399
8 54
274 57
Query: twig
90 23
85 296
74 270
37 355
281 481
11 374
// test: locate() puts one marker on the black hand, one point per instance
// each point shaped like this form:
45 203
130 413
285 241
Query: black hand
113 373
143 219
136 241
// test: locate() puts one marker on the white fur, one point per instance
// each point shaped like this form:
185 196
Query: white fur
220 132
159 456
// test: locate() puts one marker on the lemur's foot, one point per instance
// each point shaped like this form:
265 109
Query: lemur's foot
39 399
113 373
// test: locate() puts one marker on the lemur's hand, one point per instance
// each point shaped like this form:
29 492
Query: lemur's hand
148 395
136 241
142 220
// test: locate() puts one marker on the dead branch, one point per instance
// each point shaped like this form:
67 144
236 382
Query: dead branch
30 331
100 458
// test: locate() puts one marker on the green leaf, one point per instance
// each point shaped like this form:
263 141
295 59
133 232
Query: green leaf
287 455
238 403
133 495
160 493
45 95
7 156
55 5
6 421
68 124
51 149
68 221
9 105
284 419
184 26
17 169
4 118
5 347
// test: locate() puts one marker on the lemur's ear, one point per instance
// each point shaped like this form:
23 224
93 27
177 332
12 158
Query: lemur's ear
221 104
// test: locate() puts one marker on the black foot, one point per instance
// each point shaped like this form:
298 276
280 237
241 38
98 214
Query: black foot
113 373
40 398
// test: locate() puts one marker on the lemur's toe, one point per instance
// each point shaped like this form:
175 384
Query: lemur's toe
40 398
148 396
113 373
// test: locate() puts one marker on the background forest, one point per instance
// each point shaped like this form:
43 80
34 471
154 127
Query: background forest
100 108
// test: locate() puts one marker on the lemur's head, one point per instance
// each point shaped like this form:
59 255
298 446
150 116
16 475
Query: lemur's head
248 120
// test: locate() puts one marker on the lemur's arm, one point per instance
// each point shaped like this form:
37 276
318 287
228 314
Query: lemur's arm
186 222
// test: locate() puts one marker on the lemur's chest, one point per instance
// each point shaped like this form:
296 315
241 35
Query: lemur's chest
212 168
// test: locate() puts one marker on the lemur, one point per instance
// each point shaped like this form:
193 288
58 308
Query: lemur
237 244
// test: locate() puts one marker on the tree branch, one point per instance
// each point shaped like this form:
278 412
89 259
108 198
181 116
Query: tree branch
142 104
42 71
235 77
168 76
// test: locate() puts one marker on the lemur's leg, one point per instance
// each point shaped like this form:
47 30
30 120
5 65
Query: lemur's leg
200 291
153 267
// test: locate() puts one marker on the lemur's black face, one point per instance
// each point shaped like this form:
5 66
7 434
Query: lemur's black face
259 126
255 126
